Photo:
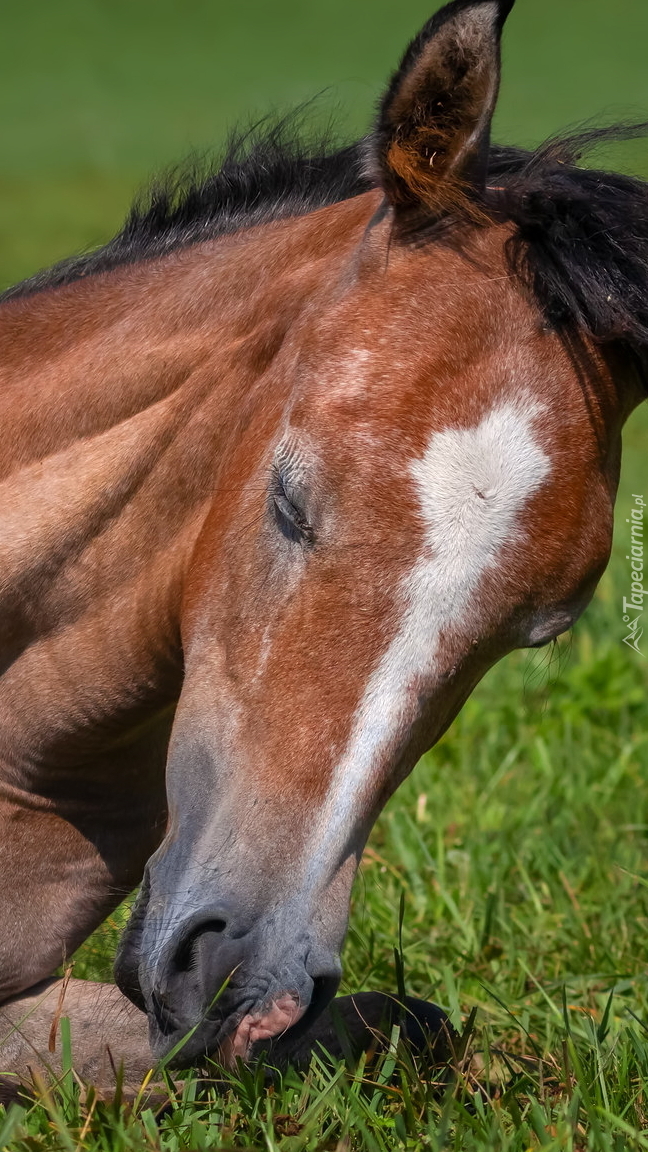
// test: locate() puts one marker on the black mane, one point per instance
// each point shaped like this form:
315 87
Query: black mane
266 173
581 240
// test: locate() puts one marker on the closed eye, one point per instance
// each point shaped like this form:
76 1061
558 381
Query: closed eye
290 520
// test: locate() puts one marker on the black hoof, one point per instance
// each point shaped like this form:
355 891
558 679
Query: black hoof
353 1025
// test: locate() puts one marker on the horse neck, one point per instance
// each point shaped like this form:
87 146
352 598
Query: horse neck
82 359
120 394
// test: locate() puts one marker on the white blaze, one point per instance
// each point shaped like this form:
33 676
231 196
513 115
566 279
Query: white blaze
472 486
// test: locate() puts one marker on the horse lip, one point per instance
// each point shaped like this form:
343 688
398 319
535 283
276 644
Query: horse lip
165 1019
269 1023
198 1041
224 1044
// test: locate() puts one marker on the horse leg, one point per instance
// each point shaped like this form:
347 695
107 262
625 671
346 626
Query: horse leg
65 864
107 1033
56 889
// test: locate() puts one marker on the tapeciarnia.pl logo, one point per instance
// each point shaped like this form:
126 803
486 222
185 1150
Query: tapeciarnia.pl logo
633 606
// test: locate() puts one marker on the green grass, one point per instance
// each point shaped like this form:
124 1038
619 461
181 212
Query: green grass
520 844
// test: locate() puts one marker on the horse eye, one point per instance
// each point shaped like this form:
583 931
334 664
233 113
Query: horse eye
290 520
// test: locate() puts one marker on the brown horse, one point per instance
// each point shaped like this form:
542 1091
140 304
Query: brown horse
285 468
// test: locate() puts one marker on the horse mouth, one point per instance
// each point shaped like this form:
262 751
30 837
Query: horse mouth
227 1040
269 1024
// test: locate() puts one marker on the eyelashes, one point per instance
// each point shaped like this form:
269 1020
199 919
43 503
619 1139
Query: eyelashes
290 519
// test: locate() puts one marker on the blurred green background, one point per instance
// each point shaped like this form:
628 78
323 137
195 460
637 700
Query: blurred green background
97 94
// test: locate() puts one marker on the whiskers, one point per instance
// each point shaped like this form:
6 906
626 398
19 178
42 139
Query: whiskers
543 669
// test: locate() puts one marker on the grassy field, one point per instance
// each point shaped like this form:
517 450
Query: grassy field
520 844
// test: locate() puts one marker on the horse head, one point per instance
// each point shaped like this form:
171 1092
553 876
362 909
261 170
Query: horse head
426 484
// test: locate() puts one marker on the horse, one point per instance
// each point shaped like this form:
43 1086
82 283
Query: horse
286 466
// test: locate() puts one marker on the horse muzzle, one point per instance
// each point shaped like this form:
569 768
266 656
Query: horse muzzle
212 986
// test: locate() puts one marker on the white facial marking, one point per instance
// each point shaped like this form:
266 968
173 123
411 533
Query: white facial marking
472 485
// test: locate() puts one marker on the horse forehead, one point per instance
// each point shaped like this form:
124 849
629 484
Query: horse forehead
387 385
464 474
473 480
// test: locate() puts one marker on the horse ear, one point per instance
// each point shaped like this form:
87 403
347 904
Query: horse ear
430 145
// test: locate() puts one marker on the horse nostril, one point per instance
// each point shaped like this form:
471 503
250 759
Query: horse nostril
186 956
